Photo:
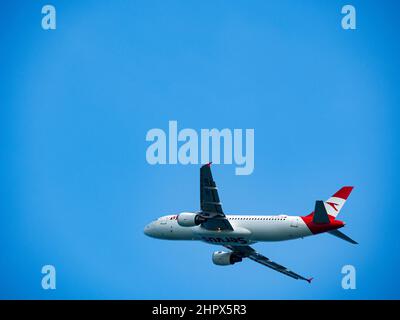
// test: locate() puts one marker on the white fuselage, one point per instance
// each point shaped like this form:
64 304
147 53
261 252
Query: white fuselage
247 229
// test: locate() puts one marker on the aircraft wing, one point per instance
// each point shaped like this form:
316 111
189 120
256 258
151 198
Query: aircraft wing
210 205
249 252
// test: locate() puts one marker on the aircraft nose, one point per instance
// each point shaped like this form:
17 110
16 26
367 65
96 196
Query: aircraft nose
149 230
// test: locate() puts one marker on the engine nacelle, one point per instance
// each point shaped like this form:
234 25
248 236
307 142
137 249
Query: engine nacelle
189 219
222 258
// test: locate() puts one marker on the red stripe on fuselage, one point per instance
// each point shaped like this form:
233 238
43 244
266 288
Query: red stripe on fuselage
321 227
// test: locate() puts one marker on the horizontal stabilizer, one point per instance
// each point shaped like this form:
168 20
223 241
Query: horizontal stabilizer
341 235
320 214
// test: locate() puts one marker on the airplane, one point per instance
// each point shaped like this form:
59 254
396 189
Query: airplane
237 232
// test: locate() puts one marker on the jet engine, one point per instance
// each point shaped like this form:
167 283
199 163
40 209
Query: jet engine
189 219
222 258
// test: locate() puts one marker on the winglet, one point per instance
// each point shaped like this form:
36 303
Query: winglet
309 280
206 165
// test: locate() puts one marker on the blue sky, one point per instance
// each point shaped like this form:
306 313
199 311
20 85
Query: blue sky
77 102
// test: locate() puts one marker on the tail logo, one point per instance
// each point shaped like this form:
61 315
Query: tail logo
333 205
